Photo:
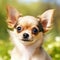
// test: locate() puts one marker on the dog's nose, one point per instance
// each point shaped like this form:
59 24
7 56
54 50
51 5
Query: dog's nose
25 35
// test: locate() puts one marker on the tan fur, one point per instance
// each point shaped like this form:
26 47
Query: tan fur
32 49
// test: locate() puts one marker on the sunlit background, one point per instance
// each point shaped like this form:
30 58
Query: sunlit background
34 8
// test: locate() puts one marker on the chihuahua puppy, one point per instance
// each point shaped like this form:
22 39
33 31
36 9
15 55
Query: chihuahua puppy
27 34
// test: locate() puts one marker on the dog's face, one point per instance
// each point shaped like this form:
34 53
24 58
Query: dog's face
29 29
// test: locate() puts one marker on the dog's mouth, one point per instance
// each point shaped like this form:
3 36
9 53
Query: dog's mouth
26 40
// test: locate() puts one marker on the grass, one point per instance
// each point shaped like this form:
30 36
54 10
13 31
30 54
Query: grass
5 48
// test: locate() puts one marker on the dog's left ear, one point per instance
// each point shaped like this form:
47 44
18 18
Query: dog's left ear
12 15
46 19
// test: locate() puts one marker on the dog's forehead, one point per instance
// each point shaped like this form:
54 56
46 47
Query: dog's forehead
27 20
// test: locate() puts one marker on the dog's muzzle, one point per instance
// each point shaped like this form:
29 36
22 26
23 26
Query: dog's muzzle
26 37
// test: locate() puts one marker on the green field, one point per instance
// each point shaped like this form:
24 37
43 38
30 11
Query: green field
51 44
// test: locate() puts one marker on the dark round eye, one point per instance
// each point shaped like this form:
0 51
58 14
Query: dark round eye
34 30
19 29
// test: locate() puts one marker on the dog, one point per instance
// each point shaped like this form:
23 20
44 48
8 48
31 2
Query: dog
27 34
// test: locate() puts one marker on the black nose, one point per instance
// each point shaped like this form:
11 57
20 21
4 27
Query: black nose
25 35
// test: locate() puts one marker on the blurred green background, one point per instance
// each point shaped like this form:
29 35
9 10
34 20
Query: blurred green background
31 7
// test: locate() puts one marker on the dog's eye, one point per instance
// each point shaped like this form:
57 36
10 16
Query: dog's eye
34 30
19 29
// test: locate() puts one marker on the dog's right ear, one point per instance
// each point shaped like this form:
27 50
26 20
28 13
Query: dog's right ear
13 16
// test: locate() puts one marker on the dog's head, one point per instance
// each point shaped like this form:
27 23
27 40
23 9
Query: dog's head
29 29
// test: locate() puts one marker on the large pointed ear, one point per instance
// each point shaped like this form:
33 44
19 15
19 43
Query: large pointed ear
46 19
13 16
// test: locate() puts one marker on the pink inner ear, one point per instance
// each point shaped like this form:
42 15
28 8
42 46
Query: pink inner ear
12 16
13 19
44 24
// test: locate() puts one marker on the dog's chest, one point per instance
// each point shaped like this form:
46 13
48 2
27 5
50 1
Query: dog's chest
26 56
23 55
16 57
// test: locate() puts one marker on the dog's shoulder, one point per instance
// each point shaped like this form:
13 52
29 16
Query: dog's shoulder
41 55
44 54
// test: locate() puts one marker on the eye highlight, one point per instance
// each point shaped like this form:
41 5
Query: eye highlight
19 29
34 31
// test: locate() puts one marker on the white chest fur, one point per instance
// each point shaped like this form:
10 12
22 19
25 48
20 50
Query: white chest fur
22 54
16 55
25 55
